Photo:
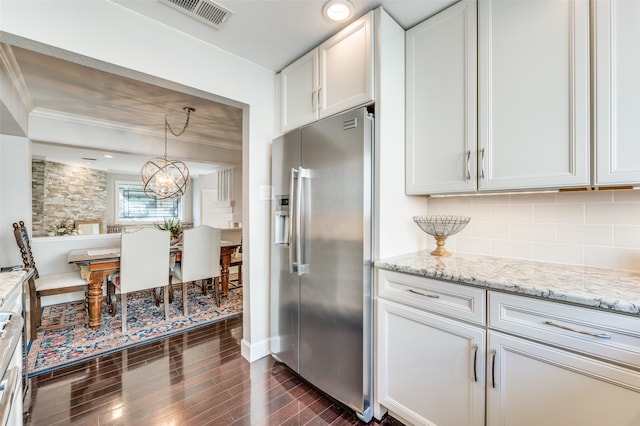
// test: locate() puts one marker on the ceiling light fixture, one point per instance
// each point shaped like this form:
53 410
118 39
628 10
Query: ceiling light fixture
338 10
163 178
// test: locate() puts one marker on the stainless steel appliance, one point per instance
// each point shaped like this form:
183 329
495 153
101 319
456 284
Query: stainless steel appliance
321 292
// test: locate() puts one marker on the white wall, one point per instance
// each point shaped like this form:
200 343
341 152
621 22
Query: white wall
105 31
394 234
596 228
15 194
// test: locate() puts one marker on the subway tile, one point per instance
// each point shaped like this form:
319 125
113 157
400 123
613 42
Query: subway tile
512 249
574 197
565 213
533 232
626 236
601 235
491 230
618 214
473 245
491 199
571 254
612 257
535 198
626 196
513 213
480 213
452 201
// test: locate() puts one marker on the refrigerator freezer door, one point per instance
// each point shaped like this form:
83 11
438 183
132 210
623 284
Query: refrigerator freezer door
335 288
284 278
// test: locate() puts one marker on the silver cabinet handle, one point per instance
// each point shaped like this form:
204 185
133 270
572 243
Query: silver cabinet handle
313 101
434 296
599 336
482 163
475 363
469 165
293 217
301 232
493 368
319 98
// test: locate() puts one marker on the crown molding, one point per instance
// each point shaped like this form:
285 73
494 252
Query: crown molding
10 65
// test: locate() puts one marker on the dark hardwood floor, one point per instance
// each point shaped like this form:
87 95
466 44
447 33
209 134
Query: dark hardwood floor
195 378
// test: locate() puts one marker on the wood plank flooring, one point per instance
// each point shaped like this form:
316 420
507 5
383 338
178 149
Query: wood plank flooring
194 378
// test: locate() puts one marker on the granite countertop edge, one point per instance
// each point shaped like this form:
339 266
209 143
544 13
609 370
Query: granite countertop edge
608 289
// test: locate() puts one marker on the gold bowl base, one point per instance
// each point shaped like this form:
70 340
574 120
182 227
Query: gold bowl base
440 250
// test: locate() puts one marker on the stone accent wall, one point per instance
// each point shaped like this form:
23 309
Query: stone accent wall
37 194
61 191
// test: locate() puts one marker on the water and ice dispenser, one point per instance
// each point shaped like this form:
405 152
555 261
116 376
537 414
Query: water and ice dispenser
281 234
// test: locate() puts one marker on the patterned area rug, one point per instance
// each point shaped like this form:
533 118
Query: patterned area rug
145 322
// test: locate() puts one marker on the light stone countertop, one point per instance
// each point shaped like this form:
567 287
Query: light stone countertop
611 289
8 281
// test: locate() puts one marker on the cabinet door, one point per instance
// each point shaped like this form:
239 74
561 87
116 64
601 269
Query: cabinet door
617 87
533 93
429 368
529 384
298 97
441 102
346 68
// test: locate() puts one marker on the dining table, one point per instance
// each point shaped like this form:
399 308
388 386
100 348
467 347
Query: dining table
96 264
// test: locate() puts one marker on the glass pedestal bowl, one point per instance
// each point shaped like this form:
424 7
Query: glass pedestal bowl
440 227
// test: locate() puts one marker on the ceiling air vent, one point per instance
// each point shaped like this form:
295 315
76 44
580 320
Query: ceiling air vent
204 10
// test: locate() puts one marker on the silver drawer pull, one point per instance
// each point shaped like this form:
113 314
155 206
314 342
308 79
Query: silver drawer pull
434 296
475 363
599 336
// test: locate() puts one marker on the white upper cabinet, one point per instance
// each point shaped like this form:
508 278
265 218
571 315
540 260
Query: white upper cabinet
533 93
298 83
441 102
346 68
617 92
332 78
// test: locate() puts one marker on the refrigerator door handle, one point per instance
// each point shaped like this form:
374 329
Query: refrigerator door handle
300 238
293 218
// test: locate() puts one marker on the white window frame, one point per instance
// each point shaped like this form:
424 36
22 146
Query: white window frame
141 221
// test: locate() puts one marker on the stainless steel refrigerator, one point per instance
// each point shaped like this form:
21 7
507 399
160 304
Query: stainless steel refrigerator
321 251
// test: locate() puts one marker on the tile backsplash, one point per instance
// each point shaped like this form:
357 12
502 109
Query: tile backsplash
591 228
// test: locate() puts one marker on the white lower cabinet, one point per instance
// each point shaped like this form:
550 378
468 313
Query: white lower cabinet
430 367
531 384
545 363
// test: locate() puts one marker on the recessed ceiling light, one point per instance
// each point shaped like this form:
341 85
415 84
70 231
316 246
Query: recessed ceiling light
108 156
338 10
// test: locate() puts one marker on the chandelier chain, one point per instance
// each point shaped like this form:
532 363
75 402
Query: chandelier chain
168 126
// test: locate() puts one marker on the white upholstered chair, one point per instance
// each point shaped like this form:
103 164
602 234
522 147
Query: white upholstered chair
200 260
144 264
47 285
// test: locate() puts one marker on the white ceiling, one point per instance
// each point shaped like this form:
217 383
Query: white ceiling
270 33
273 33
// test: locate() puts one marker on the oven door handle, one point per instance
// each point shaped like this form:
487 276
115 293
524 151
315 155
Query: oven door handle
10 388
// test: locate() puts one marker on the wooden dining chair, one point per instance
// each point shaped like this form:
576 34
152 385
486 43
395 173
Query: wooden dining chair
48 285
236 260
200 261
144 265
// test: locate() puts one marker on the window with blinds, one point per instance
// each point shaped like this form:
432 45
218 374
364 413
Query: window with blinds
134 205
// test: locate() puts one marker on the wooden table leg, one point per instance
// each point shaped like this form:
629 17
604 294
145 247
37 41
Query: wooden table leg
95 299
225 261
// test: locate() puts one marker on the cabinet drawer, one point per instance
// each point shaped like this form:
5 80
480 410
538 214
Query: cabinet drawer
446 298
612 336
